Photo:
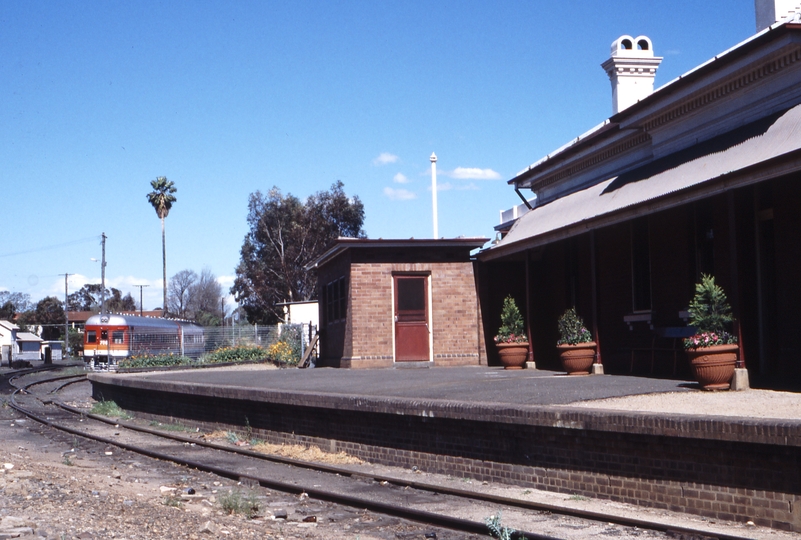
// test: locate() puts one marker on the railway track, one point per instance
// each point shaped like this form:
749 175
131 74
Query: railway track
441 506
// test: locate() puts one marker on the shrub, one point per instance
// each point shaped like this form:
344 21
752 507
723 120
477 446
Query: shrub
572 330
511 329
710 314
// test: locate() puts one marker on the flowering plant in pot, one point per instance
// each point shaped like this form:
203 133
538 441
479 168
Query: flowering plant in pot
712 349
575 344
511 340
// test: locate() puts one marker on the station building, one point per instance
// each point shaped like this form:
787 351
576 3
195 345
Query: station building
698 177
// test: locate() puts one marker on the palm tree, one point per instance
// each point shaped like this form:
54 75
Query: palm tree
162 198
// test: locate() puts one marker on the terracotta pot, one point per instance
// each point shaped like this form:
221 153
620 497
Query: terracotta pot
577 359
513 355
713 367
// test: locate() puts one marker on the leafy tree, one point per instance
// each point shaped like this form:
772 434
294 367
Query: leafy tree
20 301
205 297
285 236
117 303
88 298
178 292
7 311
50 314
161 198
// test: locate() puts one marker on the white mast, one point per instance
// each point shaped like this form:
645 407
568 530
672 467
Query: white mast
433 160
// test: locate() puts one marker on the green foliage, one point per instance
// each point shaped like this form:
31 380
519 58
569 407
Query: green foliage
161 198
511 329
572 330
241 353
110 409
161 360
235 502
710 310
287 349
710 314
497 529
285 236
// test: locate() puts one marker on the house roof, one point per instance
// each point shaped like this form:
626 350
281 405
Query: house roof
344 244
9 325
723 162
27 336
663 101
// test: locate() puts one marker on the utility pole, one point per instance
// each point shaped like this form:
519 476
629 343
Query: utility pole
433 160
140 297
103 276
66 318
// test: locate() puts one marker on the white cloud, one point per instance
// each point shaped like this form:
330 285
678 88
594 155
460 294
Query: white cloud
472 173
400 178
442 186
384 158
399 194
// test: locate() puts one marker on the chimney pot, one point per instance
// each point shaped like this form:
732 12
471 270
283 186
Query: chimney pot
631 68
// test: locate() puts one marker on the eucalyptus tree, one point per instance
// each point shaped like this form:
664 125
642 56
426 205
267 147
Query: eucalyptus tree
161 198
286 234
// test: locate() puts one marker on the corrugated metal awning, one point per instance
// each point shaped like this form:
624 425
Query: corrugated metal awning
657 185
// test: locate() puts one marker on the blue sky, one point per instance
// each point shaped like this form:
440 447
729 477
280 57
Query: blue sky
226 98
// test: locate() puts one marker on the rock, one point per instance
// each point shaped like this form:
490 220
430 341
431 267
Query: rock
8 466
280 514
207 528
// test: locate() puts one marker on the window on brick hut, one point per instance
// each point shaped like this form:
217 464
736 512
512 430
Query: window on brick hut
640 265
335 298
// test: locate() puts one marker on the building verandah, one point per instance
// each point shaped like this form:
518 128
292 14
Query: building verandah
632 281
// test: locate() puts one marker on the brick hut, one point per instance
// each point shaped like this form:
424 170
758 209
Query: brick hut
392 303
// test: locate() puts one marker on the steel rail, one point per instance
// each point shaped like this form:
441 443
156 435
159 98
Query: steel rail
397 511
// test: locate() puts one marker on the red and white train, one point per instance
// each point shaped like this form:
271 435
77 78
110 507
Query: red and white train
109 338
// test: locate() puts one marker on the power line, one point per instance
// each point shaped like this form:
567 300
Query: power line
46 248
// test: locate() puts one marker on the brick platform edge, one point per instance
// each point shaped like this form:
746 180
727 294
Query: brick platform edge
735 469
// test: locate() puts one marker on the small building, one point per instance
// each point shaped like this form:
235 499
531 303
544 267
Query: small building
8 341
29 347
53 348
392 303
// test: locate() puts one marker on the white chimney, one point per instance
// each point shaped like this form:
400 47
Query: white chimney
631 68
773 11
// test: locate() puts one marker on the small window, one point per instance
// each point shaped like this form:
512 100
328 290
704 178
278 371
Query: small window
104 335
91 336
117 336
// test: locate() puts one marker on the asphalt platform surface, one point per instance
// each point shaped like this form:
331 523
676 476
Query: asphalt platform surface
479 384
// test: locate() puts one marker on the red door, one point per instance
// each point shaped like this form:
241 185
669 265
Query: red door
411 319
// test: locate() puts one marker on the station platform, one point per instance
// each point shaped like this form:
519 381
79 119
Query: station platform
529 427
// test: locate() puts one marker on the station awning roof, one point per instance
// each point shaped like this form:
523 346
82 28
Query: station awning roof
752 153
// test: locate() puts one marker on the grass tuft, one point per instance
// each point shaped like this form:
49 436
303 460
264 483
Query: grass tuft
110 409
235 502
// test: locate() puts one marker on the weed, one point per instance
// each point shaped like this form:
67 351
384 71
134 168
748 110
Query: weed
526 492
67 461
497 529
234 502
110 409
232 437
172 500
578 497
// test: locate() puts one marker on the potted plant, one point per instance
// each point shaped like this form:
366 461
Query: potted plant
511 339
575 345
712 350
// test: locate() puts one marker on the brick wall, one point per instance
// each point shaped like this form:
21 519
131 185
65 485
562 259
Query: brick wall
368 332
724 469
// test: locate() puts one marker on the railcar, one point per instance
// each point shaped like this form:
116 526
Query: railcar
109 338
